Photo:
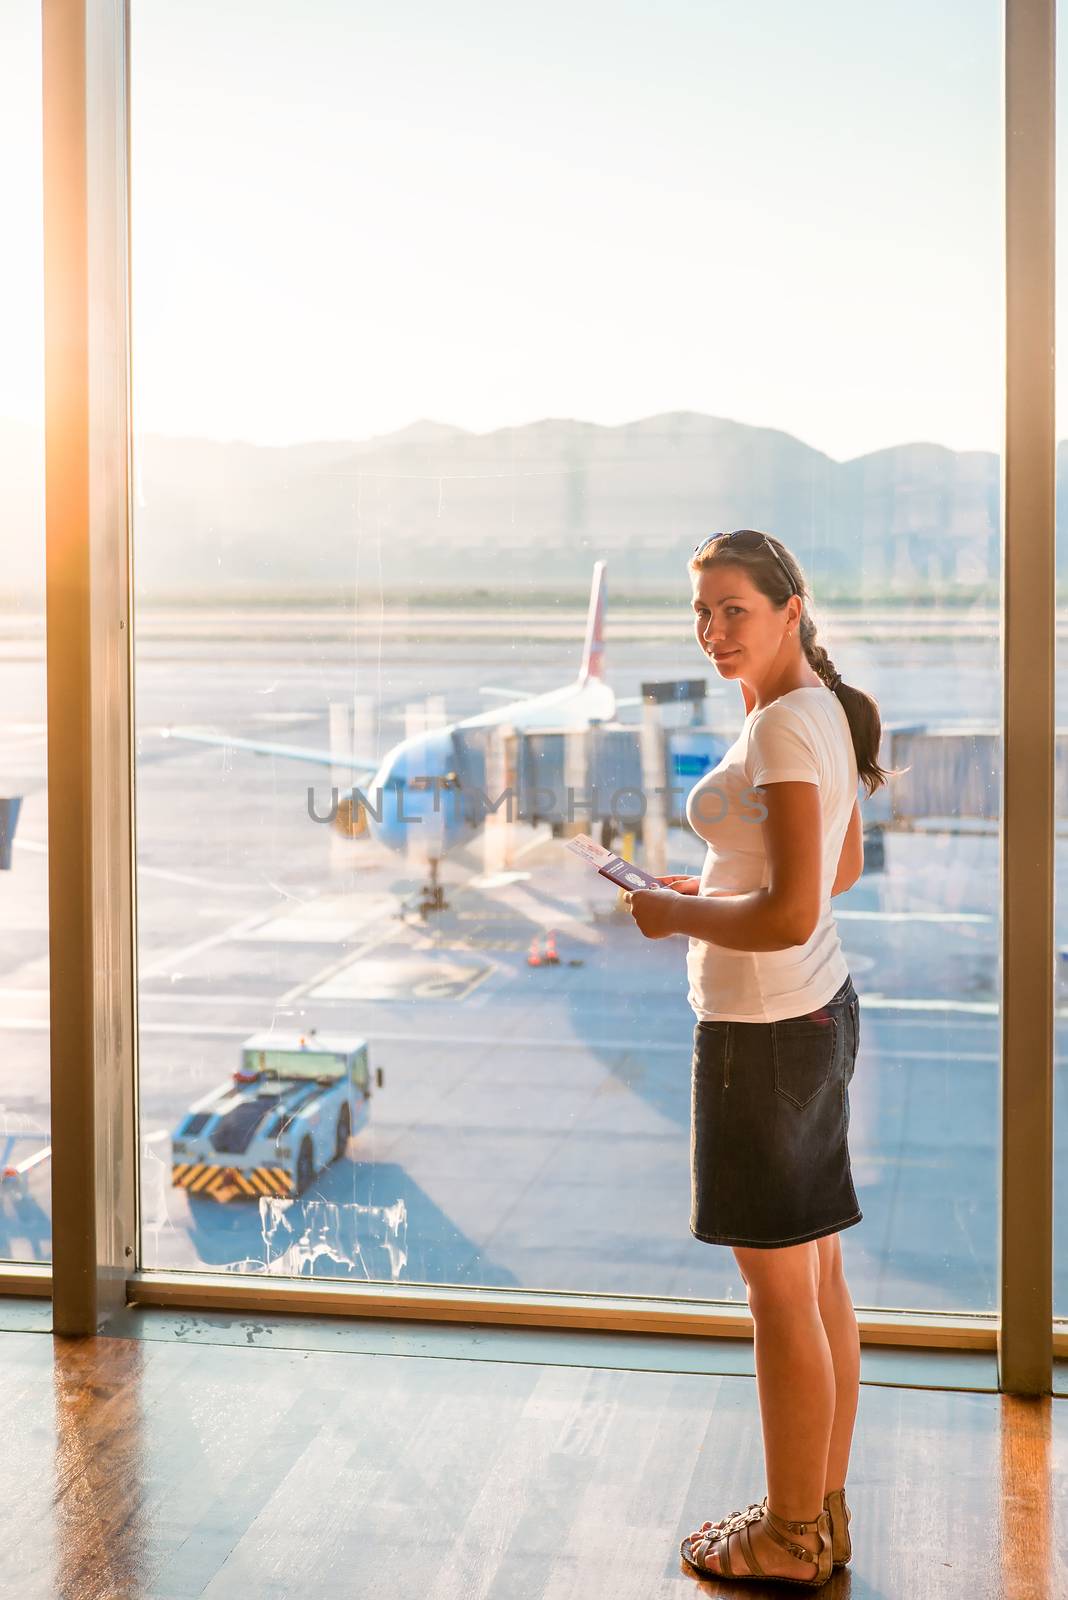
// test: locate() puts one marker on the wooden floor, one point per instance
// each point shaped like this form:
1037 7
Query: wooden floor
157 1468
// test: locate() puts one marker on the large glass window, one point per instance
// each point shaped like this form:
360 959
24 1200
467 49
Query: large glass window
25 1139
433 310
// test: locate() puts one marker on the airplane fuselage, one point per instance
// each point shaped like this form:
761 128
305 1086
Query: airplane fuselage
433 789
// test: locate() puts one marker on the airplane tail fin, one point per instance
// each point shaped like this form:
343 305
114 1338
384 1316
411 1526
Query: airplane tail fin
593 650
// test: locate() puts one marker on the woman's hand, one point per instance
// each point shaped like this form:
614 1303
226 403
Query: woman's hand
653 910
681 885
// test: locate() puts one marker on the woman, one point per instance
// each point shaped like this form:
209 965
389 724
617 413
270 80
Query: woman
776 1038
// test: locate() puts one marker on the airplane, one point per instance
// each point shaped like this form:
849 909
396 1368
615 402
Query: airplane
427 779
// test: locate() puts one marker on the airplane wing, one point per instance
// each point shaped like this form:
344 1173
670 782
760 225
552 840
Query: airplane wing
508 694
285 752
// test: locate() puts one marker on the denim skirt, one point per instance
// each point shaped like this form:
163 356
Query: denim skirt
769 1149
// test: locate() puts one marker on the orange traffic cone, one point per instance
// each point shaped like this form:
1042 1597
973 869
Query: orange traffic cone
534 954
551 957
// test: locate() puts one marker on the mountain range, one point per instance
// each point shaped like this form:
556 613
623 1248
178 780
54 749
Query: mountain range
438 508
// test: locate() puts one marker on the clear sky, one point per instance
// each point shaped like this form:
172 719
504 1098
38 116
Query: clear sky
351 215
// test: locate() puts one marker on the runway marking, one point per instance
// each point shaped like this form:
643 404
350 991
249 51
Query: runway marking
164 964
964 1008
977 1008
337 965
544 914
179 996
227 1031
199 883
546 1041
913 916
550 916
35 847
909 1006
933 1055
864 1159
982 1016
297 926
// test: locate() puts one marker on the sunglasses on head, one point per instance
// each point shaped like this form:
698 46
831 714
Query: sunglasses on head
754 533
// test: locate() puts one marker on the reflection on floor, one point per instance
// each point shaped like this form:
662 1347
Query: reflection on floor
179 1462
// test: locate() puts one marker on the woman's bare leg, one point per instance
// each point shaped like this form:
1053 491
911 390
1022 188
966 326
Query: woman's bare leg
840 1325
796 1390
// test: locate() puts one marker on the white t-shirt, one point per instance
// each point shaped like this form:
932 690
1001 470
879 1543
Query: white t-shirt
802 736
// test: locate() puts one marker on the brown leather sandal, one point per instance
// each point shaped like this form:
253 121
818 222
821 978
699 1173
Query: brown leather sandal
838 1514
840 1517
737 1528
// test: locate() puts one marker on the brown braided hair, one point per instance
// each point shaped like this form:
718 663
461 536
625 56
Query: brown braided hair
778 575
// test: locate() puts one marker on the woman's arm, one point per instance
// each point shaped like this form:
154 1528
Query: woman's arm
851 860
776 918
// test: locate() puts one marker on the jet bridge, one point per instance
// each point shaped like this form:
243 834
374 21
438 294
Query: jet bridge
949 777
575 779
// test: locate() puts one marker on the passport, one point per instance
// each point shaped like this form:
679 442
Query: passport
615 868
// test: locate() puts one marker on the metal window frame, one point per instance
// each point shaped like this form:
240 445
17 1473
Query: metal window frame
91 824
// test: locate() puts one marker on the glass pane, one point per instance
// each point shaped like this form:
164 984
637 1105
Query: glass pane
25 1138
1060 1062
427 322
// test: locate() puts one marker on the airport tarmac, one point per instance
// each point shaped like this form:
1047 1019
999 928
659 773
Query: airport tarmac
533 1129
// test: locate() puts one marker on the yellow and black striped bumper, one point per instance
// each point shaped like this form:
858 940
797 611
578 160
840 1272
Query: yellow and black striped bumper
223 1183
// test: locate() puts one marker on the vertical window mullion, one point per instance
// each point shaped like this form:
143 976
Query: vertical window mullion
85 75
1025 1346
